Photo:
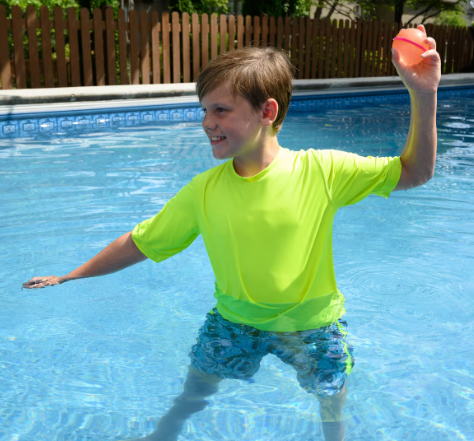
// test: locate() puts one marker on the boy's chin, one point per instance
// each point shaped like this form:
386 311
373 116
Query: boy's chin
221 154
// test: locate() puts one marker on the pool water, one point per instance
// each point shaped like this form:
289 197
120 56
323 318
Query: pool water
103 358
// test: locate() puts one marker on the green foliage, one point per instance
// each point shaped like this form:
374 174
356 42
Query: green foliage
277 8
51 4
37 4
451 18
199 6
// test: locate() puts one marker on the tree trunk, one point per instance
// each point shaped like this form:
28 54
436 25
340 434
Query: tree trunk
399 6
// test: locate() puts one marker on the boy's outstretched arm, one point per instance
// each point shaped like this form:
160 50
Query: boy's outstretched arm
418 158
120 254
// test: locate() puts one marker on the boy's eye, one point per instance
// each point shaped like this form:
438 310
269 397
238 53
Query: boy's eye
204 110
220 110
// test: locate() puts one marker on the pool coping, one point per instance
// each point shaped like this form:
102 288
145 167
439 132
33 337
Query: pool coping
95 98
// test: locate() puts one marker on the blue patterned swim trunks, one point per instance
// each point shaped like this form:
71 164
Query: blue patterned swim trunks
321 357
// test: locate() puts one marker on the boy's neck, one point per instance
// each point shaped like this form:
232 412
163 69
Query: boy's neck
252 163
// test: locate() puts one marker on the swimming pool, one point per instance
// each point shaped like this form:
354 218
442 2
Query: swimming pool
103 358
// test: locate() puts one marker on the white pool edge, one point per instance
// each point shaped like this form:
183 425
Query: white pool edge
116 97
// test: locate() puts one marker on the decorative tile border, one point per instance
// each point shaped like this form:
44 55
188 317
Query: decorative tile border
26 126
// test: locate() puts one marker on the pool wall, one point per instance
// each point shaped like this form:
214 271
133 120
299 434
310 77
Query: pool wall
59 111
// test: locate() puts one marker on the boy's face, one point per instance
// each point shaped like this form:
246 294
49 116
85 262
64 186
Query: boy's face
233 126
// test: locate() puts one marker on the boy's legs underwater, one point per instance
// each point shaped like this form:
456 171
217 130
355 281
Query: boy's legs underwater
197 386
331 415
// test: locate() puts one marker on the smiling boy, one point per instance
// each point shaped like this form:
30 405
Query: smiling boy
266 218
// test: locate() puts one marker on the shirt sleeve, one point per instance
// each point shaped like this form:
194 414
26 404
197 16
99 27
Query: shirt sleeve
351 178
170 231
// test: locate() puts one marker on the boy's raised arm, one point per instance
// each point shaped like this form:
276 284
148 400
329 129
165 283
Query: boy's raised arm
120 254
419 155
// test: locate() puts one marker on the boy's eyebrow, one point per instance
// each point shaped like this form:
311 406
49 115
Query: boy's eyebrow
217 105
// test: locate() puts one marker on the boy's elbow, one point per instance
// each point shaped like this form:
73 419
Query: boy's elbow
423 176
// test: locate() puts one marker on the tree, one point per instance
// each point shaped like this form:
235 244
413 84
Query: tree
277 8
371 9
199 6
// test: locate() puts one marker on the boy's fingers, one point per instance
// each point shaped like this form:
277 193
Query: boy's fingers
431 42
421 28
40 282
431 54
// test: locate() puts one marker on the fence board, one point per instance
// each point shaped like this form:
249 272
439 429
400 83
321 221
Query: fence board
256 31
196 44
155 48
333 48
370 50
186 52
301 42
222 34
340 38
48 65
86 47
287 35
33 47
314 55
361 45
5 65
248 30
352 53
264 38
133 44
294 44
385 49
213 36
272 31
240 31
98 48
307 63
60 47
204 40
280 31
176 48
110 57
231 32
18 51
73 30
165 38
122 44
144 48
322 41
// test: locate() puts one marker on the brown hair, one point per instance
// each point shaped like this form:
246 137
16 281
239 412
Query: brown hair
255 73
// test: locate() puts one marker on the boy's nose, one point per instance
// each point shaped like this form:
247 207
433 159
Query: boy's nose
208 124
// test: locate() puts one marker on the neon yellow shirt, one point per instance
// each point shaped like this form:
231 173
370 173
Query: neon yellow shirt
269 236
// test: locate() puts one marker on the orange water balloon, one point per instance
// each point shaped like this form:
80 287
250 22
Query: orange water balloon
410 44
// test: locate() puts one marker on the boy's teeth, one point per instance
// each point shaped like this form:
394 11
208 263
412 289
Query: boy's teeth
217 138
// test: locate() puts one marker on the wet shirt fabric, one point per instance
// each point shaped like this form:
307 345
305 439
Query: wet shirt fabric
269 236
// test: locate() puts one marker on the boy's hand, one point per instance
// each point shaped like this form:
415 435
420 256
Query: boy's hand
422 77
41 282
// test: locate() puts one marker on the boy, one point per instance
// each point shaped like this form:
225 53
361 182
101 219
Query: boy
266 219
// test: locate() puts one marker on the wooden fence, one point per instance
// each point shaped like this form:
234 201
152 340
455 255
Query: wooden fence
68 48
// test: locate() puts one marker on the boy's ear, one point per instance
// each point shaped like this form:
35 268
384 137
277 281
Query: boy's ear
269 112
